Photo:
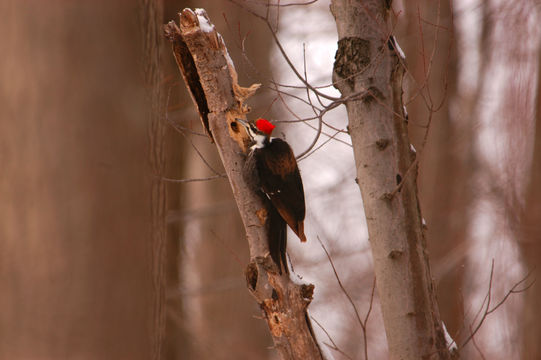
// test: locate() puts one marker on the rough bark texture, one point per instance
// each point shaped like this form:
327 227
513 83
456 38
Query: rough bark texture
283 302
367 64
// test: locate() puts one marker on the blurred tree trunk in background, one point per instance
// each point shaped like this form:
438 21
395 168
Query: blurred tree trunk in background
530 243
74 217
445 165
151 15
215 250
176 342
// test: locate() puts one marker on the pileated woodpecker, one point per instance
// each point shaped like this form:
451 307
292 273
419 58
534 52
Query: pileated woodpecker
278 177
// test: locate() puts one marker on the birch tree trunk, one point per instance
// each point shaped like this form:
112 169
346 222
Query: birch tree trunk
368 72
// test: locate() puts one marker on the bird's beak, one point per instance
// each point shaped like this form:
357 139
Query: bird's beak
247 127
242 122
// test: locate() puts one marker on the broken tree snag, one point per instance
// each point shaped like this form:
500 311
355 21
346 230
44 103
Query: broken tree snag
197 31
285 308
212 81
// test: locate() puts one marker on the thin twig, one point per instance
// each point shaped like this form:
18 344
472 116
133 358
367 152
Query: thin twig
185 129
283 52
194 179
488 298
290 94
305 120
294 4
181 131
477 347
320 146
340 283
334 346
361 323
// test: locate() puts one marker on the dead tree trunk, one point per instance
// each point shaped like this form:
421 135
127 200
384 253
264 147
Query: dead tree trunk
368 72
211 78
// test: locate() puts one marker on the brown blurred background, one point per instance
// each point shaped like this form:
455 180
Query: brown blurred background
74 186
81 265
101 258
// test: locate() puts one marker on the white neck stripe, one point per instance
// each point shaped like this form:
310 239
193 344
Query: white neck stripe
259 142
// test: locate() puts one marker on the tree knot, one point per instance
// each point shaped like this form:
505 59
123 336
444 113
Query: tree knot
382 143
351 59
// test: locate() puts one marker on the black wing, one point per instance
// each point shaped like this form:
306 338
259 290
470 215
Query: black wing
281 181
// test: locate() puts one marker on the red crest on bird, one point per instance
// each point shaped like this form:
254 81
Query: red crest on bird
265 126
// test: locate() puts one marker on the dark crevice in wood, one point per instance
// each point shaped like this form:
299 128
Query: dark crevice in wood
188 69
251 276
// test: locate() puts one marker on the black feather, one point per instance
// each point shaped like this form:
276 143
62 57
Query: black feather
277 231
273 170
275 224
280 179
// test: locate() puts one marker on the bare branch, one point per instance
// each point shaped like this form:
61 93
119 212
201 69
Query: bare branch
488 298
331 137
371 301
514 290
219 176
334 346
477 346
283 52
361 322
180 129
294 4
340 283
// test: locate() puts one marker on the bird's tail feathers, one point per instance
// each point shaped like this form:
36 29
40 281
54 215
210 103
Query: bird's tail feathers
300 231
277 239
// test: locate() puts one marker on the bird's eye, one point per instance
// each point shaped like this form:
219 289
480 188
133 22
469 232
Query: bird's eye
234 126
